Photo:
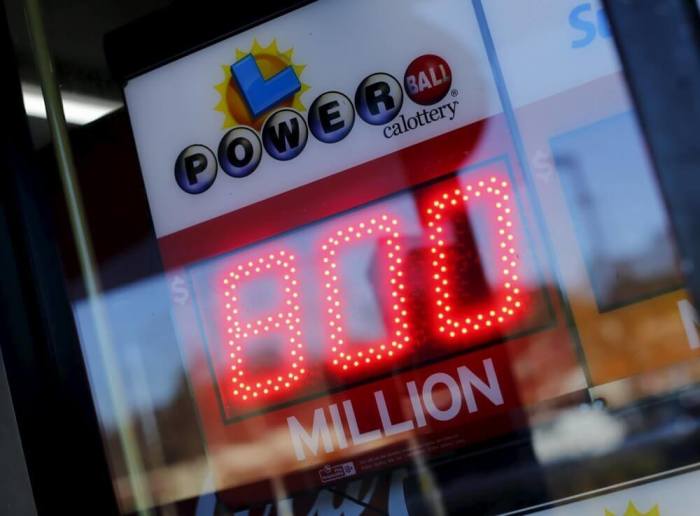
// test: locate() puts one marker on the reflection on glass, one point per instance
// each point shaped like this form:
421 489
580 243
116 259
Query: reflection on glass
620 221
477 315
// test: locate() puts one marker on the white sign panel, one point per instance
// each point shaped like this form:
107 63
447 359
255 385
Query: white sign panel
549 46
332 47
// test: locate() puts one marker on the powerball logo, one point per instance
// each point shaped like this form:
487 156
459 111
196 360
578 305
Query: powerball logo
261 100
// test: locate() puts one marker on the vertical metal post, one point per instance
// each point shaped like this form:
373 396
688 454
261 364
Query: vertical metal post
88 267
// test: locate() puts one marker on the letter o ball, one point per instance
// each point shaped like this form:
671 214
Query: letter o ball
378 99
195 169
285 134
331 117
240 152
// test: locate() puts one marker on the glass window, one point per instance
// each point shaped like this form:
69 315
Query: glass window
396 257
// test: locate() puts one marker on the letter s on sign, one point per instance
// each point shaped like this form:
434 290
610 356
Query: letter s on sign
587 27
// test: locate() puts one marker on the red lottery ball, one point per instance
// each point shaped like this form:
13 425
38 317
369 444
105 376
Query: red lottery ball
428 79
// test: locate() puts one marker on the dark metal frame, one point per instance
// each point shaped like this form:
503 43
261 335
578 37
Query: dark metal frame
659 44
173 32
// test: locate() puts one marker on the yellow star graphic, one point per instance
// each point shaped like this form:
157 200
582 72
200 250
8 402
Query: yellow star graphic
633 511
270 60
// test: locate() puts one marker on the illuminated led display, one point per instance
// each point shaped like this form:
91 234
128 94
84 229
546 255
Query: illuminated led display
450 322
387 229
286 322
386 287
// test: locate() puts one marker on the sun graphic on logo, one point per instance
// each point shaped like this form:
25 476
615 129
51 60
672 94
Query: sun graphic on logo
633 511
271 61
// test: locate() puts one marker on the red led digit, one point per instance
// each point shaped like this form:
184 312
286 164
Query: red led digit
506 304
384 229
285 322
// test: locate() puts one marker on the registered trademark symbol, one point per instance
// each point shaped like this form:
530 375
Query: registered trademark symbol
454 93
